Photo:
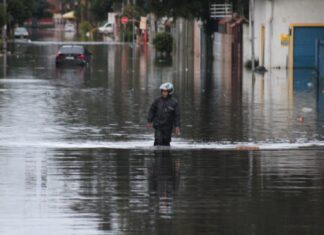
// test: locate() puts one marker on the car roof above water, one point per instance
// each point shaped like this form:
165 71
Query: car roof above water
72 49
21 29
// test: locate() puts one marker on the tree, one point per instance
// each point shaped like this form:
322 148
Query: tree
67 5
41 9
100 8
180 8
2 16
242 7
163 42
18 11
188 8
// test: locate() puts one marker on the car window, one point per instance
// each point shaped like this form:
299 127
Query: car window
107 24
21 30
72 50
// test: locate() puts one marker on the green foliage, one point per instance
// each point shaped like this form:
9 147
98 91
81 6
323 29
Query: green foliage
100 8
127 36
94 34
188 8
1 16
133 12
70 2
180 8
242 7
19 11
163 42
42 9
85 27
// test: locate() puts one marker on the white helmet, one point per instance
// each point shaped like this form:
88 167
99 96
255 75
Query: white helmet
167 86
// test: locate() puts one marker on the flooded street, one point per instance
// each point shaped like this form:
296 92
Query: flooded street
76 157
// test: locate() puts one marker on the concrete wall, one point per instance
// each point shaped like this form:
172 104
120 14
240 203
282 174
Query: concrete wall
187 36
277 16
246 43
222 54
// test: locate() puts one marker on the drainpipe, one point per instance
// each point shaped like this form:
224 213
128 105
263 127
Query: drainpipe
261 68
252 8
271 32
262 45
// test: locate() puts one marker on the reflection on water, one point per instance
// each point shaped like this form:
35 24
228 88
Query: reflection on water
76 157
164 182
153 192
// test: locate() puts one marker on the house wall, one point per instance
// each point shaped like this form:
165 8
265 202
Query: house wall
187 37
277 16
247 54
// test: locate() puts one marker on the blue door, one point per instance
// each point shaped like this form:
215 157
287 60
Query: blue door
305 39
305 56
320 59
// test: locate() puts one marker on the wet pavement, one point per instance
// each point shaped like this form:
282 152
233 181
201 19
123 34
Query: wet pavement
76 157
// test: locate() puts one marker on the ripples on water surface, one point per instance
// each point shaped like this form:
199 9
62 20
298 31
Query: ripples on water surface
160 192
75 157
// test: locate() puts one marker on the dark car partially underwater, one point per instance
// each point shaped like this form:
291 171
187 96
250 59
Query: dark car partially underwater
72 55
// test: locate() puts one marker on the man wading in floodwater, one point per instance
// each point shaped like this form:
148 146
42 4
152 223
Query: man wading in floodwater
164 114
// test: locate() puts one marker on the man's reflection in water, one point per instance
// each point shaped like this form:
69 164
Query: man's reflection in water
164 177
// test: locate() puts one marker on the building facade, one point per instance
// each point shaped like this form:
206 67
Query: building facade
286 32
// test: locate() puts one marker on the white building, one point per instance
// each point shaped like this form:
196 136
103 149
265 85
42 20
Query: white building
286 32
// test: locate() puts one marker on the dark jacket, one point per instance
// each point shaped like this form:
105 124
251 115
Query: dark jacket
164 113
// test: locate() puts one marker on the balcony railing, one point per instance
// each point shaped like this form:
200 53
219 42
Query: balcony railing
221 10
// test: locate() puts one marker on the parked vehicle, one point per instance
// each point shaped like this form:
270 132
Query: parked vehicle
69 27
107 28
21 32
73 55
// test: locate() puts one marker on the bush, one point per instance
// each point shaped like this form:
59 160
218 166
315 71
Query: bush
127 36
163 42
85 27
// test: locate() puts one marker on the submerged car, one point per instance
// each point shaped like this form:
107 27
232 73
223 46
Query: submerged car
106 28
73 54
21 32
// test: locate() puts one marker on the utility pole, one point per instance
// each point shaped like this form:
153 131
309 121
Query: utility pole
4 29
